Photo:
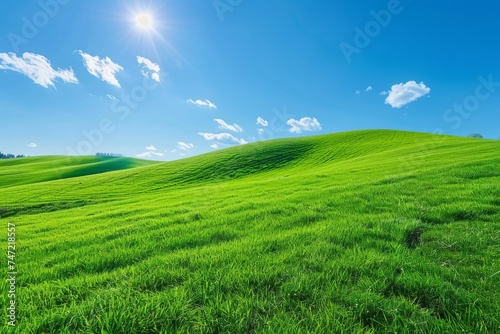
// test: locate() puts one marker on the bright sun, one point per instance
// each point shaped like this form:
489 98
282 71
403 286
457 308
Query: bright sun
144 21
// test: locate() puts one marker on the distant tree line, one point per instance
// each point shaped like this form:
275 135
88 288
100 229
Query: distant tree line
477 135
109 155
10 156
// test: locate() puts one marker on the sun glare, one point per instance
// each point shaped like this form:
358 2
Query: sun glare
146 26
144 21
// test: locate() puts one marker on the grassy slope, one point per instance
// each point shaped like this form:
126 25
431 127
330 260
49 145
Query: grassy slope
39 169
368 231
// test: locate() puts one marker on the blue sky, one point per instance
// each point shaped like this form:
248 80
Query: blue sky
170 79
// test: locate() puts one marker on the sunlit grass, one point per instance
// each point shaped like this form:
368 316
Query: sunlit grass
372 231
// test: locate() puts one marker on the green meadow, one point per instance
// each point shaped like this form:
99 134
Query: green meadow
359 232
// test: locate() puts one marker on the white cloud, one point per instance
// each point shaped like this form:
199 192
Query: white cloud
222 137
305 124
202 104
36 67
214 146
262 121
149 154
111 97
260 130
184 146
32 145
149 66
103 68
368 89
224 126
155 77
402 94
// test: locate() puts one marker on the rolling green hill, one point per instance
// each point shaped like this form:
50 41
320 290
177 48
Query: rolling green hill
360 232
38 169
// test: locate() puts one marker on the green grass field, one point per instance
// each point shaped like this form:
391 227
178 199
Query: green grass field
39 169
360 232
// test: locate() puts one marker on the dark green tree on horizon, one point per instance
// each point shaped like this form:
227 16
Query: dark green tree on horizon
10 156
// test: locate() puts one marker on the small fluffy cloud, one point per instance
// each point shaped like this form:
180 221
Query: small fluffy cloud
202 104
36 67
304 124
227 137
149 68
368 89
402 94
102 68
214 146
148 64
261 121
260 130
224 126
151 152
32 145
184 146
